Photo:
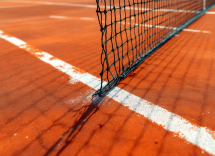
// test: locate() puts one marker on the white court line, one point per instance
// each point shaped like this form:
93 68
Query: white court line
17 6
95 6
86 18
200 136
193 30
55 3
209 12
174 28
65 17
59 17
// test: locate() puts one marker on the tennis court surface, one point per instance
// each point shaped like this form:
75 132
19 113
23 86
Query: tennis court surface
50 65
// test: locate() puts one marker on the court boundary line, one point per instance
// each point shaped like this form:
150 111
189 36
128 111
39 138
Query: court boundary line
18 6
71 18
199 136
173 28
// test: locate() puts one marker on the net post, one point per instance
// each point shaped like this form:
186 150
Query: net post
204 4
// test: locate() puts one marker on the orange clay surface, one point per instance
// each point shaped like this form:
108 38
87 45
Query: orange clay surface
43 113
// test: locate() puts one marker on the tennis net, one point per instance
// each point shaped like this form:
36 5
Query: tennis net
133 29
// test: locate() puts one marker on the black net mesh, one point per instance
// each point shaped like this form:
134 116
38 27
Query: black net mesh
134 29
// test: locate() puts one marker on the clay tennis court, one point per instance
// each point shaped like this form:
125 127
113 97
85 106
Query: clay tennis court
50 54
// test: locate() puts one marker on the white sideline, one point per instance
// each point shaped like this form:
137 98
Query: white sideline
65 17
59 17
86 18
16 6
210 12
200 136
144 25
55 3
158 26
